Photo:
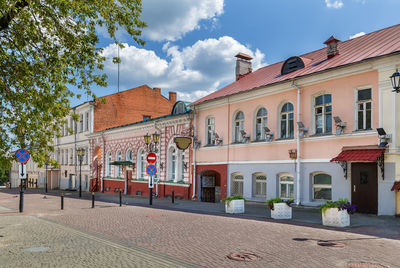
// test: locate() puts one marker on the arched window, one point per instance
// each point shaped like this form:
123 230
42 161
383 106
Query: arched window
286 187
108 164
238 126
118 169
129 155
323 114
237 184
322 186
172 164
141 164
261 123
259 185
287 124
210 126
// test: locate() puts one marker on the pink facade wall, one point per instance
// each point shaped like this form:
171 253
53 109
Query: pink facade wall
343 91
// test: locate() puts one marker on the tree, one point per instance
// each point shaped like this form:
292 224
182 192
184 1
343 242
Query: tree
47 46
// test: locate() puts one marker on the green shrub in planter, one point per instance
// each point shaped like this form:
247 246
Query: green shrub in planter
230 198
272 201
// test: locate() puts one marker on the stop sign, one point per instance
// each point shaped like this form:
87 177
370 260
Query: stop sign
151 158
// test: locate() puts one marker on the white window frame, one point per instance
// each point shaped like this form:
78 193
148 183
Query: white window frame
141 164
257 180
81 123
287 120
235 178
182 164
324 114
260 126
62 157
87 121
287 184
172 160
66 157
118 168
129 155
356 108
108 164
238 125
320 186
210 130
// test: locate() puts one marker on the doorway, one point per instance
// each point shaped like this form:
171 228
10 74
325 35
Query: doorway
364 187
210 189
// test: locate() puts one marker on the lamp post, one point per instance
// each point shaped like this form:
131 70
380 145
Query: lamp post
151 147
80 152
46 164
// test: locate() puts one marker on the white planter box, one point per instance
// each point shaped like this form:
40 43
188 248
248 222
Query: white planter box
281 211
234 206
336 218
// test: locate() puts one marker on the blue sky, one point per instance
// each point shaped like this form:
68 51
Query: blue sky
191 44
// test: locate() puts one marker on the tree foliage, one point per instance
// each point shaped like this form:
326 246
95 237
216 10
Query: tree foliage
47 46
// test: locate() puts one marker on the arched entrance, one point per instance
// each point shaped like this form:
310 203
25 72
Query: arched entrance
96 169
210 186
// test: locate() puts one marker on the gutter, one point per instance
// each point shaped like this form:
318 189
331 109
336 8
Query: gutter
159 143
194 155
298 144
104 161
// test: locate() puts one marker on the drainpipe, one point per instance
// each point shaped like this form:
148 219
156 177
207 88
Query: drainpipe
394 128
159 143
104 161
194 155
298 145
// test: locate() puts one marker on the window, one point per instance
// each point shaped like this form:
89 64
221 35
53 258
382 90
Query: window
86 156
146 117
81 123
261 122
172 166
141 164
62 157
322 187
87 121
71 123
210 131
237 184
287 127
108 165
239 126
118 157
286 187
323 114
66 157
66 129
259 185
364 109
182 177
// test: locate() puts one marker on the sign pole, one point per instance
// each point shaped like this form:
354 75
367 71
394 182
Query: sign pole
151 195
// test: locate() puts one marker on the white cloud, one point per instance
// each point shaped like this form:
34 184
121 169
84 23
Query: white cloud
357 35
334 4
170 20
192 71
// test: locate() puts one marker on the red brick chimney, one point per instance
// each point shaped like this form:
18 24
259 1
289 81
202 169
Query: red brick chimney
172 96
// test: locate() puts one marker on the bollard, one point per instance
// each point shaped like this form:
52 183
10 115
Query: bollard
173 196
120 198
62 201
21 201
92 199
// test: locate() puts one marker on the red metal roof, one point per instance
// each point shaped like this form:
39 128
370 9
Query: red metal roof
396 186
370 155
379 43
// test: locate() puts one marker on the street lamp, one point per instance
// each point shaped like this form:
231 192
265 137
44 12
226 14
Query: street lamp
151 147
80 152
395 79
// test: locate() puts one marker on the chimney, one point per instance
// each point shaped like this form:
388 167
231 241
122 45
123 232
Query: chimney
157 90
243 65
172 96
332 46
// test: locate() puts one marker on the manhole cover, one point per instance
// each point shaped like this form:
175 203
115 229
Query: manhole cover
364 265
331 244
243 256
153 216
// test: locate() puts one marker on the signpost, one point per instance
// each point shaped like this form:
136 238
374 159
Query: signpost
151 170
22 156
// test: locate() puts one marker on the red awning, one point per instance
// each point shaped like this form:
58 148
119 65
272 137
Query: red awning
368 155
396 186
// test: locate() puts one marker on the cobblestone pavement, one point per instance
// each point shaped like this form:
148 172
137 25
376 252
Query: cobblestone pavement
201 239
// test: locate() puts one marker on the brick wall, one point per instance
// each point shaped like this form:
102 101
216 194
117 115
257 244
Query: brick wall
130 106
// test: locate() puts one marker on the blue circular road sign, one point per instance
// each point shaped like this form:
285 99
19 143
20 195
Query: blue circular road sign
22 155
151 170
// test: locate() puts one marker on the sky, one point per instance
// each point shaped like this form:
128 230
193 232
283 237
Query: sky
191 44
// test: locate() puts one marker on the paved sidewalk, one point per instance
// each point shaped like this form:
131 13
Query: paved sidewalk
382 226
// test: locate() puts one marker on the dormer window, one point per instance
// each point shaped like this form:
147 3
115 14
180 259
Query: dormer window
292 64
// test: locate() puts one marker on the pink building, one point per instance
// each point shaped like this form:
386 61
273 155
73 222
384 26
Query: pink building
305 128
